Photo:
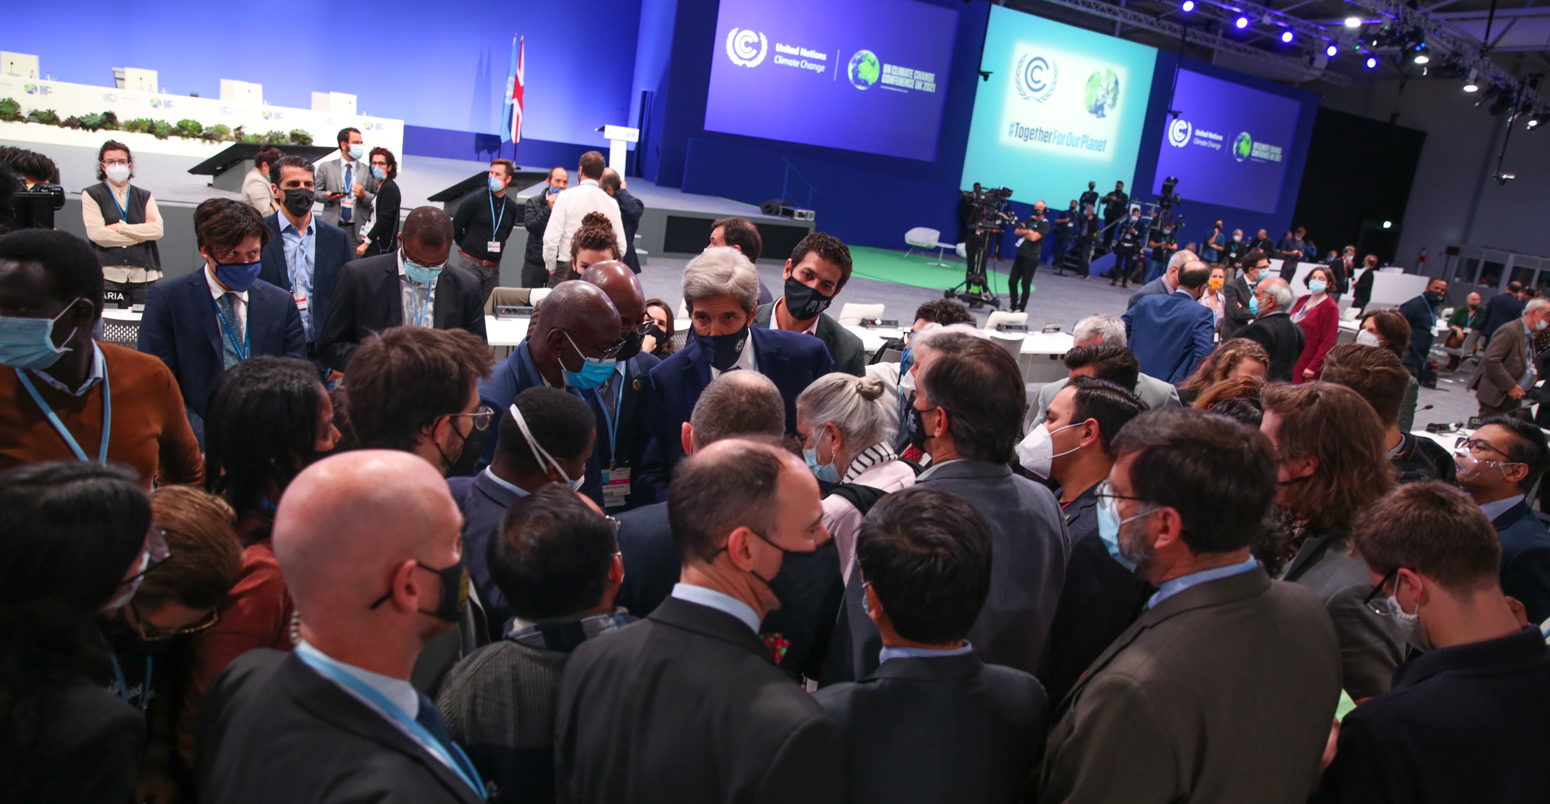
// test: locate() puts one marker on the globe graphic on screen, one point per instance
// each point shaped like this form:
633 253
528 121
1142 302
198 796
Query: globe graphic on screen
864 69
1101 94
1242 146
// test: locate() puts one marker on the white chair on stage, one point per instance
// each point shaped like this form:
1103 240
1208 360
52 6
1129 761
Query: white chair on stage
852 314
999 317
925 238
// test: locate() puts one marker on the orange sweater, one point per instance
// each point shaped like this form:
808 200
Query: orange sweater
150 430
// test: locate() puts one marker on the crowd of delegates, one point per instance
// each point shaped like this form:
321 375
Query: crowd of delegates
334 551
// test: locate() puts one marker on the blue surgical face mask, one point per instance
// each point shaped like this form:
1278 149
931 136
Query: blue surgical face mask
239 276
378 173
1109 525
496 185
825 472
1317 286
1253 305
28 343
421 274
594 370
357 150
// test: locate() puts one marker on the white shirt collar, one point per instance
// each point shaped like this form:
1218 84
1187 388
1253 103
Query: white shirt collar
400 693
216 291
719 601
98 370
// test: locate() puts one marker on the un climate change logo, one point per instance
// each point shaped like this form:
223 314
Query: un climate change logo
746 48
1178 133
1036 77
864 69
1242 146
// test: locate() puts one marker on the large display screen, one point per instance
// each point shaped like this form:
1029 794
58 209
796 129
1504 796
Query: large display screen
1229 144
1062 107
862 75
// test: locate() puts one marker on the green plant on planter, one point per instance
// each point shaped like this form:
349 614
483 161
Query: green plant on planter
140 125
11 111
109 122
161 129
89 121
72 122
217 133
45 116
188 127
300 137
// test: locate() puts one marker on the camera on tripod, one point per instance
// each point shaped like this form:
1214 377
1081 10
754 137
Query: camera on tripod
34 207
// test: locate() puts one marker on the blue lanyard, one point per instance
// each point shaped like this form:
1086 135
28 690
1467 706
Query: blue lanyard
495 222
612 421
451 755
123 686
226 328
421 310
122 214
59 426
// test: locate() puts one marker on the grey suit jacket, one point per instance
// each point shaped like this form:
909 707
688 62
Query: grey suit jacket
329 178
1505 361
843 345
1223 692
1370 646
1154 392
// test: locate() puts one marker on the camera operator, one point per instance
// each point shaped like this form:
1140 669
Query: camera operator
29 190
968 216
1163 244
1114 205
1086 236
1030 245
1129 237
1215 246
1064 233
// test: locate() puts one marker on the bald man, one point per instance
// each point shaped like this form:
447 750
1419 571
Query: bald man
413 286
574 345
369 544
687 704
618 404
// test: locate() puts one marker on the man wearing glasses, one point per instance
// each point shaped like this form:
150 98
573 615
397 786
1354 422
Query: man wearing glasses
1464 720
620 457
1497 467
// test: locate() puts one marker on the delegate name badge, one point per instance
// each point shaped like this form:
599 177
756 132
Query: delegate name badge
493 246
616 486
301 300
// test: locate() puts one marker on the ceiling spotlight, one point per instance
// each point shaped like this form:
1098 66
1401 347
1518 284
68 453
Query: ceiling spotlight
1533 123
1372 61
1503 178
1388 224
1421 56
1286 37
1470 85
1241 23
1331 50
1187 6
1353 22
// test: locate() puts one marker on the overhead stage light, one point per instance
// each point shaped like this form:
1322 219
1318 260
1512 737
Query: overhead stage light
1331 50
1420 54
1187 6
1388 224
1372 61
1241 23
1353 22
1470 85
1286 37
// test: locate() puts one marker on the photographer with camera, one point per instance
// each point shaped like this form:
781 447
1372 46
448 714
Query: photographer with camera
1163 243
29 190
1030 244
123 225
1114 206
1129 237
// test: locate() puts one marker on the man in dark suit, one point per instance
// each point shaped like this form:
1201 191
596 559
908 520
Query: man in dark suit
573 345
1156 717
368 543
413 286
817 271
630 211
1342 269
1114 206
721 291
934 722
1421 312
535 218
738 404
1377 375
1168 282
1501 308
687 704
624 458
1101 598
1506 369
304 255
550 445
1236 313
1464 720
1274 329
1498 466
1173 334
205 322
968 411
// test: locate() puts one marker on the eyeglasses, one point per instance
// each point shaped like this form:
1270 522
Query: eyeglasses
115 161
1377 601
1475 445
644 327
1105 496
608 352
150 633
481 417
159 551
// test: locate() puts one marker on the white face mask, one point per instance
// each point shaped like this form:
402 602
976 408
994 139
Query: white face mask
1037 451
1366 338
118 174
1409 624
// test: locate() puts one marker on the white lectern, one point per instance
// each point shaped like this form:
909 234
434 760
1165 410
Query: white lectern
618 137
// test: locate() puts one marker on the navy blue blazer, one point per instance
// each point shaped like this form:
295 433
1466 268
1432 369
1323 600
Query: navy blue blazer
1422 317
368 297
1500 309
1525 559
332 252
483 503
1170 334
181 328
792 360
651 563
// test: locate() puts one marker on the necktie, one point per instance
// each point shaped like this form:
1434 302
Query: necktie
349 186
235 333
430 717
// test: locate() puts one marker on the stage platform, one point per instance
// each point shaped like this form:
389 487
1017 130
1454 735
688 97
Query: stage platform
675 222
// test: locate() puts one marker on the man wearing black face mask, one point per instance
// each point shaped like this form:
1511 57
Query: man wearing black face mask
818 269
1421 312
740 513
369 544
304 255
618 403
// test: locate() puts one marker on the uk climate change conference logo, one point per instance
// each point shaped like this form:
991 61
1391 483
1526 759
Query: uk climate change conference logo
1243 146
1178 133
864 69
1036 77
746 48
